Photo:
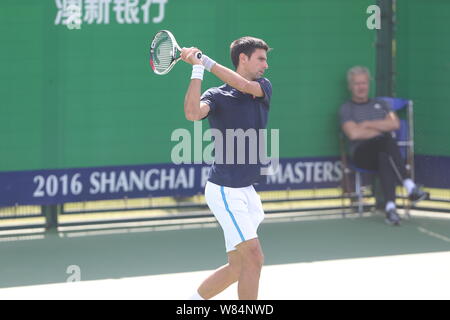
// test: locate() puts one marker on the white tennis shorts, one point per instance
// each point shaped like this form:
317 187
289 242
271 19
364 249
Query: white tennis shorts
238 210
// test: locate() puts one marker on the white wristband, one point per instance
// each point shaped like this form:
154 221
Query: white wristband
207 62
197 71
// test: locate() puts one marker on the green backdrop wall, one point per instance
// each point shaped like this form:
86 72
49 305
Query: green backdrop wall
423 70
87 97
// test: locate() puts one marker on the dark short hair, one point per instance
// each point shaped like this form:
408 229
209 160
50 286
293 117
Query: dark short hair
246 45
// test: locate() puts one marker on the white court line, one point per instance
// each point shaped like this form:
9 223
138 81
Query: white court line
434 234
413 276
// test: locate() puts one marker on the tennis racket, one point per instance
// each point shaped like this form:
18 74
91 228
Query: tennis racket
165 52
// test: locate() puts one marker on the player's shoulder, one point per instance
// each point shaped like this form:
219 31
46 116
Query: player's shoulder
215 90
347 105
266 86
211 92
263 80
381 102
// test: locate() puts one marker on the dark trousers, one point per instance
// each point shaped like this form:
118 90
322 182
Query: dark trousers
382 154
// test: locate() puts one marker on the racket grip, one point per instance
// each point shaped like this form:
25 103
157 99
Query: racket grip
199 55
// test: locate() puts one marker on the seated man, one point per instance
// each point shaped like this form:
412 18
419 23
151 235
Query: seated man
368 124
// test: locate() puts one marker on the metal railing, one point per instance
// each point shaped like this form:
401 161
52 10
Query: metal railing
51 218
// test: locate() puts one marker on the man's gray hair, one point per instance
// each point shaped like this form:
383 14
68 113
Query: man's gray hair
357 70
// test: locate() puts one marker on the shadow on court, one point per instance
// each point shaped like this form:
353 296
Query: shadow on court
115 256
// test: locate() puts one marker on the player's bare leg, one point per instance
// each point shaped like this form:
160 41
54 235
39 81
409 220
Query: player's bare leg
252 260
222 278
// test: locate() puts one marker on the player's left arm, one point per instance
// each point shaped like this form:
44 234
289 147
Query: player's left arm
236 81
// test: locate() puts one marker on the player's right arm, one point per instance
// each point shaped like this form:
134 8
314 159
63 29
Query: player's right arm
194 109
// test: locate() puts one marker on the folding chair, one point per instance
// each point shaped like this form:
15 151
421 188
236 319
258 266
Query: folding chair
405 140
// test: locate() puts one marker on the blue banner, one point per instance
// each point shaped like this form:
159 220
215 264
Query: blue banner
43 187
432 171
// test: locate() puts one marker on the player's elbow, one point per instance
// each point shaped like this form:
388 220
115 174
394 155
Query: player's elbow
352 134
189 111
192 116
253 88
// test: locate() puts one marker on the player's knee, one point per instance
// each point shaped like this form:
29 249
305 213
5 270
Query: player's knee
257 260
254 257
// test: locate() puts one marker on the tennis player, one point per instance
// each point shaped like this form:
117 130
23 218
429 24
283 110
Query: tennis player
241 103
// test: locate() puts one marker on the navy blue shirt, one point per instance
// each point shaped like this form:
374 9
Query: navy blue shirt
230 110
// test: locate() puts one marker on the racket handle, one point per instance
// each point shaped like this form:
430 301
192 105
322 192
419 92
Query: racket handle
199 55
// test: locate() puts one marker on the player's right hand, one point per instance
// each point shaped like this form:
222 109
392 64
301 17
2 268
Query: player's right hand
189 55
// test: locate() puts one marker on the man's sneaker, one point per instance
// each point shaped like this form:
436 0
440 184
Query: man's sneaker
417 194
392 217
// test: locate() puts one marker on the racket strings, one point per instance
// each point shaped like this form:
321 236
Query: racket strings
163 52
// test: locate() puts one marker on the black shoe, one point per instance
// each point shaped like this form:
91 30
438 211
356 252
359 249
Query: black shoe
392 218
417 194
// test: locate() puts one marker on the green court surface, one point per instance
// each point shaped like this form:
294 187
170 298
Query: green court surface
140 252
